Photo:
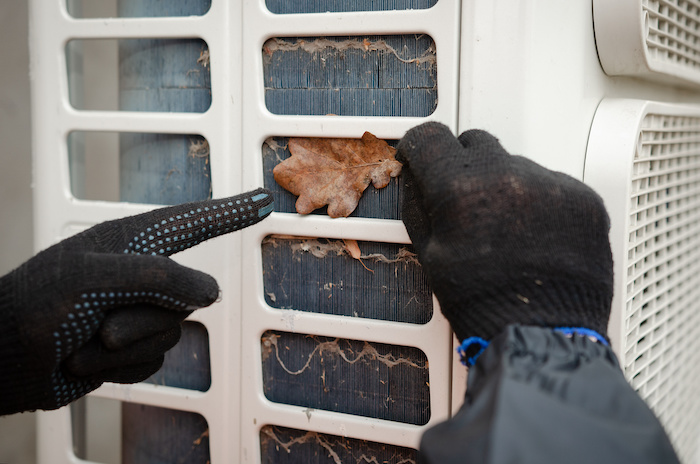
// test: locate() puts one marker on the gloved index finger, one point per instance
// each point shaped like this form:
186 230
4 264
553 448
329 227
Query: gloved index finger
169 230
433 155
421 145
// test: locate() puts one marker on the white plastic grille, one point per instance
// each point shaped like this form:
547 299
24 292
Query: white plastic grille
673 31
661 349
655 39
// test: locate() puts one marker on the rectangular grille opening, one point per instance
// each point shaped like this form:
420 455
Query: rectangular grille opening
139 167
282 445
319 275
351 76
84 9
350 376
168 75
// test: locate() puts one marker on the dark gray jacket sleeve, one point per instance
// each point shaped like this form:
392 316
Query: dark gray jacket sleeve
538 396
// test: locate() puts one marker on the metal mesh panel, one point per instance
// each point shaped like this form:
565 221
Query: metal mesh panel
673 31
661 349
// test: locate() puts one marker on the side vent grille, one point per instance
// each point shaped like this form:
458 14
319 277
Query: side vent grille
655 236
657 39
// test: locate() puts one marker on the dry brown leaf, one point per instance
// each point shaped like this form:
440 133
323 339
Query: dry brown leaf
335 171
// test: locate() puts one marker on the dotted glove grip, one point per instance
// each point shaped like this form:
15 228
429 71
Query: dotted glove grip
105 305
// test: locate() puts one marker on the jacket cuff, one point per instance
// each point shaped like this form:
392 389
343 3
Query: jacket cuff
521 350
471 348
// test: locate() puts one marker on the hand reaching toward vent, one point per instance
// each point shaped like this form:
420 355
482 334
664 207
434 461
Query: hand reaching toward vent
502 239
106 304
519 258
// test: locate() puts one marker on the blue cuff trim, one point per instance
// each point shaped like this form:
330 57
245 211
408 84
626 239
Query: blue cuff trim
466 344
469 342
583 332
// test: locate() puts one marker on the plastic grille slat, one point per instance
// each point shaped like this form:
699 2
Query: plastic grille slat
662 343
670 27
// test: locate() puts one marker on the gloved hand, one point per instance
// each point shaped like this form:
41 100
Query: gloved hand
502 239
106 304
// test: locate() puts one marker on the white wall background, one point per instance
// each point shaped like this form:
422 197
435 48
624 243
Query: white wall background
17 432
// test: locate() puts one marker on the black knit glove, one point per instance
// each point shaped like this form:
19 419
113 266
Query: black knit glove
105 305
502 239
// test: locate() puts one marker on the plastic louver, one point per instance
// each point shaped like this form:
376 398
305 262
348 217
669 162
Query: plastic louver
644 159
658 39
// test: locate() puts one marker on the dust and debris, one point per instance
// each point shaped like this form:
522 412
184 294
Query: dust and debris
198 441
272 144
516 185
334 446
187 457
404 254
276 238
320 248
308 412
199 148
373 460
290 318
270 344
522 298
353 249
272 296
308 437
203 59
171 172
321 44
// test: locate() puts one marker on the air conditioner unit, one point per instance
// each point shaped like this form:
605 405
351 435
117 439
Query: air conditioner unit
311 352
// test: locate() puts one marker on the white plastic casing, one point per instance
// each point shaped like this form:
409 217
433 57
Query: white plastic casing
644 159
